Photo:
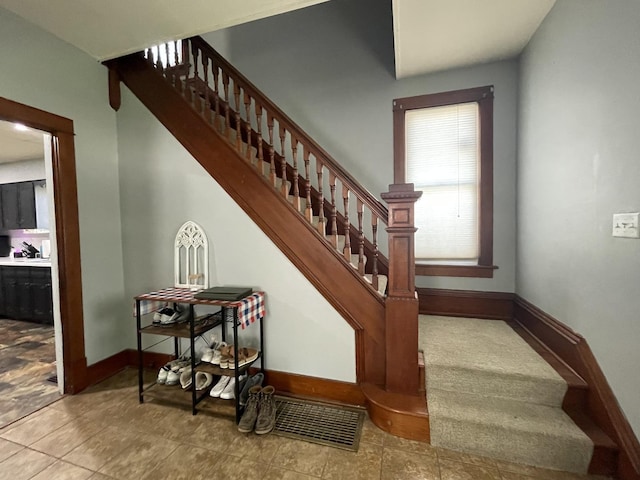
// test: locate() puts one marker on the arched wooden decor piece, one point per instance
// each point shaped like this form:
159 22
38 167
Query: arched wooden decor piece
191 257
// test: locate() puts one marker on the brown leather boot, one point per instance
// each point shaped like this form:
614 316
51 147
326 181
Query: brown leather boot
267 416
250 414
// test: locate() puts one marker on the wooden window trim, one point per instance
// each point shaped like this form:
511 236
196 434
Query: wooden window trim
484 97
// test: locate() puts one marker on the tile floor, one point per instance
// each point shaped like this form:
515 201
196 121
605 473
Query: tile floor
27 360
104 433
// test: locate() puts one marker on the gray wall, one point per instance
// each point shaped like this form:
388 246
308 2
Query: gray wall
578 164
330 68
42 71
162 186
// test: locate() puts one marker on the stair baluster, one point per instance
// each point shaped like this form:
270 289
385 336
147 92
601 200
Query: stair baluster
296 187
227 107
347 225
247 108
272 156
322 224
283 160
374 234
308 211
334 212
360 209
260 153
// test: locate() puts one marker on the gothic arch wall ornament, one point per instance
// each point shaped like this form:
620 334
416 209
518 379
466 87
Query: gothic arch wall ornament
191 257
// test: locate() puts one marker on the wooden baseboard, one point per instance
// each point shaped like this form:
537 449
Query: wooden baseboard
315 387
466 303
109 366
602 405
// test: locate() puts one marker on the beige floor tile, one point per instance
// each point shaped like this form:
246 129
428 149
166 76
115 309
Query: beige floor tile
508 470
66 438
451 455
279 474
63 471
234 467
99 476
35 428
405 445
186 462
24 465
465 471
363 465
139 457
259 448
371 433
8 448
402 465
302 457
99 449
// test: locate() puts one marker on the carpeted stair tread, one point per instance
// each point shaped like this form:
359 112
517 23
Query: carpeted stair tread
508 430
490 358
489 393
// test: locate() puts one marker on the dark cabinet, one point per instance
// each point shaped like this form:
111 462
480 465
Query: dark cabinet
26 293
18 205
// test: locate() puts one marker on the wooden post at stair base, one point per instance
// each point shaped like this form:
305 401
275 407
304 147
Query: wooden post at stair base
401 323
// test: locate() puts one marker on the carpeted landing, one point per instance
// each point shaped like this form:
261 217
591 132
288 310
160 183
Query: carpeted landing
491 394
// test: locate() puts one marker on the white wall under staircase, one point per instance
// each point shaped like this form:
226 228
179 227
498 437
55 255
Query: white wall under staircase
161 187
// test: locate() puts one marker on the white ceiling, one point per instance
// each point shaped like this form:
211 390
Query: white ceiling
429 35
112 28
434 35
18 145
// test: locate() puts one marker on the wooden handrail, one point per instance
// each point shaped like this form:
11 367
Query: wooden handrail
314 184
361 192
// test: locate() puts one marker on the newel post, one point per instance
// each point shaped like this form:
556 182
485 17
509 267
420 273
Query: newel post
401 323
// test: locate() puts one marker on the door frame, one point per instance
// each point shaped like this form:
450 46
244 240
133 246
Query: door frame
65 196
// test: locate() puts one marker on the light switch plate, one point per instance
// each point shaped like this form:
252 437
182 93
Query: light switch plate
626 225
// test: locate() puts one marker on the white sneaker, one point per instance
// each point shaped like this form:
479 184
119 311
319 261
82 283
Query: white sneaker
229 391
220 386
185 378
207 355
203 380
162 375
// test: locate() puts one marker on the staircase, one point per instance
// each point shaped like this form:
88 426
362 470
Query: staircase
319 216
492 395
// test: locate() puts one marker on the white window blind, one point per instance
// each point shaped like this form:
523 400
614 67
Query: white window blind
442 160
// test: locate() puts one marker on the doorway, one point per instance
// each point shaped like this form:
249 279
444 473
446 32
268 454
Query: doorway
65 234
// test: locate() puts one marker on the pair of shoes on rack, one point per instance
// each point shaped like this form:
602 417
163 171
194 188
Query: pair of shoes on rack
169 374
170 316
213 355
225 388
260 412
245 356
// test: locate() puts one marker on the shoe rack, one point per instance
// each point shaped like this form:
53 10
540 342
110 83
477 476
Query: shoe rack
227 318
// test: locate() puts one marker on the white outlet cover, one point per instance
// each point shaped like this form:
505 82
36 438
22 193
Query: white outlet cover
626 225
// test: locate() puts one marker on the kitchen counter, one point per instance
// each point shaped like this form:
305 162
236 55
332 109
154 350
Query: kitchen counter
25 262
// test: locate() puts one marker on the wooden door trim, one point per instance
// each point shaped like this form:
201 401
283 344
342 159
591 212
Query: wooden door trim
67 233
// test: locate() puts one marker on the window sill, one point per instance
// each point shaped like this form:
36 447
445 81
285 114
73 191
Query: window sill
452 270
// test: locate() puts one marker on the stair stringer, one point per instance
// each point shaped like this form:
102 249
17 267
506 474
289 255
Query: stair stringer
340 285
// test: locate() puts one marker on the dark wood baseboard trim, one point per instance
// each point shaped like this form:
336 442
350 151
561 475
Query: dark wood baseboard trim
400 415
466 303
107 367
315 387
601 403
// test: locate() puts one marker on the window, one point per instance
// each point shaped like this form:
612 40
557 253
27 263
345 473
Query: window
443 144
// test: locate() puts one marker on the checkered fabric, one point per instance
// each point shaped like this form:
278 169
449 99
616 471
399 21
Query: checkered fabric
250 308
